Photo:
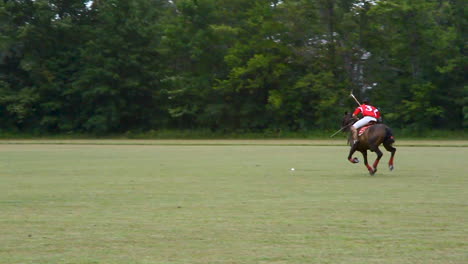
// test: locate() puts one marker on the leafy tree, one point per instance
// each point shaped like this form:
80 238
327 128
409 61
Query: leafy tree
118 84
33 42
258 70
115 66
193 48
410 48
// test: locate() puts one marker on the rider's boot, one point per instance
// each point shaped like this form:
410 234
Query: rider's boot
355 135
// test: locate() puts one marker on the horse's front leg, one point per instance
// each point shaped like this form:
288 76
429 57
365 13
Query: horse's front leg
351 152
379 156
369 168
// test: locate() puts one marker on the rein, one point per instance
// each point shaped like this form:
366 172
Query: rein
341 129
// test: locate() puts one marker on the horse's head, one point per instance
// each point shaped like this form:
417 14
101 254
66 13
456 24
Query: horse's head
348 120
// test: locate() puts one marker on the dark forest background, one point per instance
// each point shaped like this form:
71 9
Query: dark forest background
115 66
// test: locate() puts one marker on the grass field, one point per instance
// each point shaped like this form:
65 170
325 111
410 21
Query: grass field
184 202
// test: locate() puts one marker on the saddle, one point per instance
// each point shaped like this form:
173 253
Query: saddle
364 128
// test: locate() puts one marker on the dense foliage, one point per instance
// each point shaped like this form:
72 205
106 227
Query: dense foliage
229 65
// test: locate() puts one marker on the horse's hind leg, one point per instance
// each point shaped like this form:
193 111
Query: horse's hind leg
392 150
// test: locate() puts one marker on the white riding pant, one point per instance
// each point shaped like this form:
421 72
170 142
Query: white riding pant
364 121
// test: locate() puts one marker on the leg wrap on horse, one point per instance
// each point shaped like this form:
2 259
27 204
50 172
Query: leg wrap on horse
376 163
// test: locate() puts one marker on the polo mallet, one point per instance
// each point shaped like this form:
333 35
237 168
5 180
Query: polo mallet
355 99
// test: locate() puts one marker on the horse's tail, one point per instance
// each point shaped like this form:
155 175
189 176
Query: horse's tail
389 136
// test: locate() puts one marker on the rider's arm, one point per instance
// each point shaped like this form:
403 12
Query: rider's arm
356 112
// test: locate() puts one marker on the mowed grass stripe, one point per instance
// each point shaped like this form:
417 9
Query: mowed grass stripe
230 204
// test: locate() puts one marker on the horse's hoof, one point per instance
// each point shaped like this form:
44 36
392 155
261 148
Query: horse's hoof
355 160
372 171
390 167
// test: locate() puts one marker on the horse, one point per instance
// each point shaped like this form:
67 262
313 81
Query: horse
370 139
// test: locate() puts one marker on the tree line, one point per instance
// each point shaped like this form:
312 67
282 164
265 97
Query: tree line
229 65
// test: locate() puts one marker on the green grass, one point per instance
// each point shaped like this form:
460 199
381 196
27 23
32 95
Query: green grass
191 134
97 202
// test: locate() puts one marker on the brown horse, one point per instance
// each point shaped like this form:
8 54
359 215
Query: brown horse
372 137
